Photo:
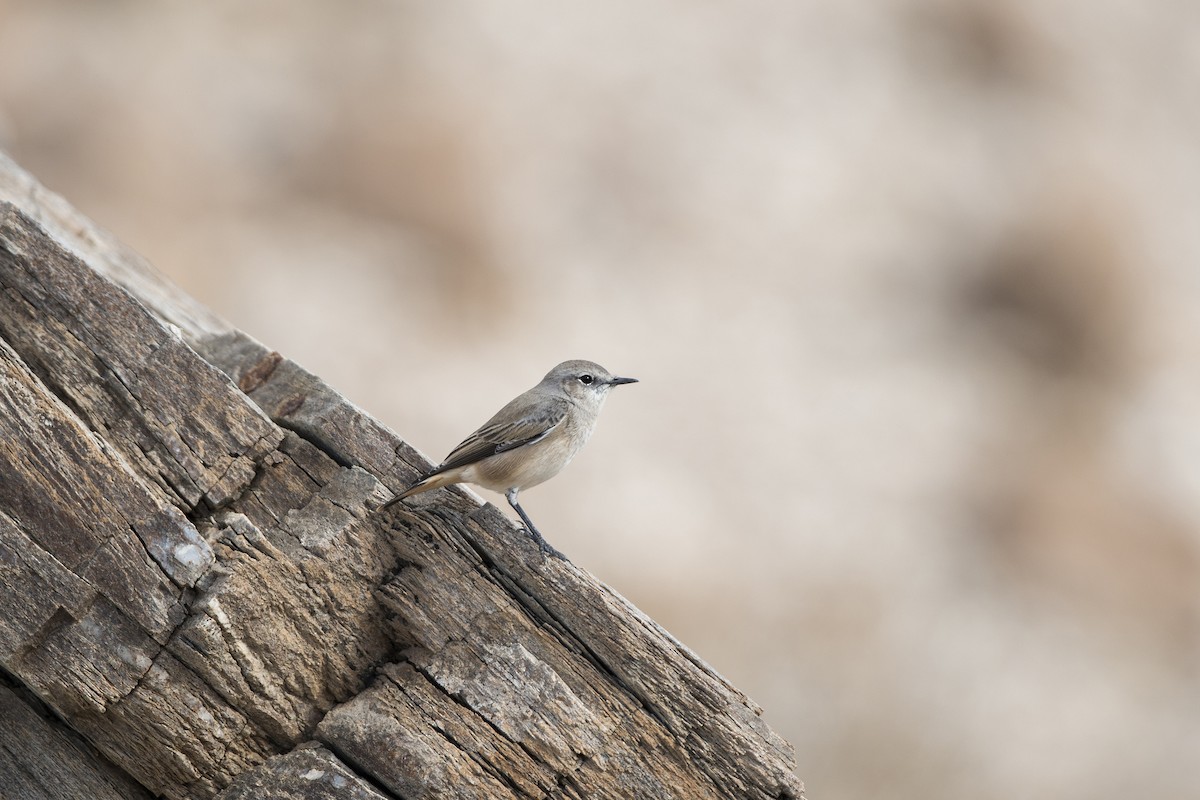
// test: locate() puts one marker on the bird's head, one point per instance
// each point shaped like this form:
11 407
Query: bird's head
583 382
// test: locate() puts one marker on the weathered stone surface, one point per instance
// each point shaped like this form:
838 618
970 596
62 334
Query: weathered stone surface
106 254
300 401
418 742
41 759
312 773
178 421
197 579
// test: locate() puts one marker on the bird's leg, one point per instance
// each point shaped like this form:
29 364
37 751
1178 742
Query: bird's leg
511 497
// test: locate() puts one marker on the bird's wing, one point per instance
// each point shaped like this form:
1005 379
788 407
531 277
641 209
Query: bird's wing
536 423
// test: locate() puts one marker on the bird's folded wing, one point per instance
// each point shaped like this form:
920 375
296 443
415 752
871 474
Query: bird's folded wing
498 437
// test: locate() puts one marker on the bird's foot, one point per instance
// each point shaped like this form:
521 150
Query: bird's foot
543 545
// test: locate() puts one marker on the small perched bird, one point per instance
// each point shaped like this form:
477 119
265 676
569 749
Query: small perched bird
529 440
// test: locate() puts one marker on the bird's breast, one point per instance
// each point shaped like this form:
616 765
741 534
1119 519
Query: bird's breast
532 464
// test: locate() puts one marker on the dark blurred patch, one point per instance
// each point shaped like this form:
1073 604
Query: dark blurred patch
1059 293
1055 310
981 41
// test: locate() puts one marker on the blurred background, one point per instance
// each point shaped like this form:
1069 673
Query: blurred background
911 287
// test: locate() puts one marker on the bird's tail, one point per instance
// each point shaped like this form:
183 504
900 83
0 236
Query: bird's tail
428 483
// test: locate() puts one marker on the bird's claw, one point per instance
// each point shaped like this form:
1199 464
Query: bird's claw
543 545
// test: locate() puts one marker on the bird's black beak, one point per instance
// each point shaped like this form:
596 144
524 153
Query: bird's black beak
619 381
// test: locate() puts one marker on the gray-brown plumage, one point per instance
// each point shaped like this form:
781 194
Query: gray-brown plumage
529 440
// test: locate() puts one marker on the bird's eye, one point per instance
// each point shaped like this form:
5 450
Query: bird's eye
586 380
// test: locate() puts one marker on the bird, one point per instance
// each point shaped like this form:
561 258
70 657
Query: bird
528 441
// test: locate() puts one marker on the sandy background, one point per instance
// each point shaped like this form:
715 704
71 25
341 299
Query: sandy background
912 288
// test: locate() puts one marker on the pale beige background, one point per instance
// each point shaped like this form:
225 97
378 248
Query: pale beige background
913 289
